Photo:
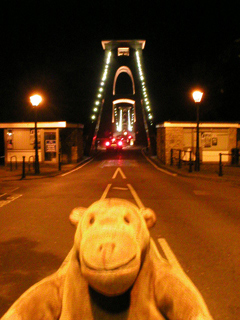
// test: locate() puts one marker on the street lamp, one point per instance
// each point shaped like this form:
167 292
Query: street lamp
35 100
197 97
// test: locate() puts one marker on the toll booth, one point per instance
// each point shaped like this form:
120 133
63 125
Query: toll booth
214 138
54 139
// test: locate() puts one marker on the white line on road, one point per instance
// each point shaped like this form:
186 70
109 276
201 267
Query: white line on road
64 174
121 172
180 272
104 195
120 188
169 254
159 169
135 196
10 199
3 195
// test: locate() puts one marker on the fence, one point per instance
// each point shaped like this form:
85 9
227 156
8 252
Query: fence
179 156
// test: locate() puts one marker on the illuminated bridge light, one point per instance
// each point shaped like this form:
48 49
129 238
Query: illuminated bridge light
150 116
144 90
102 83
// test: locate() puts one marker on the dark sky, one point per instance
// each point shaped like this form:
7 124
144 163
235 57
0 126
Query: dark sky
55 48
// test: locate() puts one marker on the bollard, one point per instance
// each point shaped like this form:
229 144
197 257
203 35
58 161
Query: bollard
179 159
23 168
171 160
190 161
220 165
59 161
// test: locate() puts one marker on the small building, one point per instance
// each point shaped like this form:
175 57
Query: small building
54 138
214 138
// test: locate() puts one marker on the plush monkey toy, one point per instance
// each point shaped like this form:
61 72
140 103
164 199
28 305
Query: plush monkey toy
112 272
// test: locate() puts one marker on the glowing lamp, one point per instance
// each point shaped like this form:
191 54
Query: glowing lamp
197 96
35 100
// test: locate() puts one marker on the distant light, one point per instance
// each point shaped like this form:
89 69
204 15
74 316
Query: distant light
35 100
97 103
197 96
95 109
93 117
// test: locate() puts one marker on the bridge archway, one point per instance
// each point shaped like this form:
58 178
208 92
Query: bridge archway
118 72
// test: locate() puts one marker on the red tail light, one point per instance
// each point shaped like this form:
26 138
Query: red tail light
120 143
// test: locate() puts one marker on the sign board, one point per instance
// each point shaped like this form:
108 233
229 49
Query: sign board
50 146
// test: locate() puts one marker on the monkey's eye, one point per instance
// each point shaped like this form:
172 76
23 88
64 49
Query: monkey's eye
92 220
126 219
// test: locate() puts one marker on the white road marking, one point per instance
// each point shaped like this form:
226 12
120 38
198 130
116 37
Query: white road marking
180 272
9 199
65 174
121 172
104 195
12 190
160 169
120 188
169 254
2 195
135 196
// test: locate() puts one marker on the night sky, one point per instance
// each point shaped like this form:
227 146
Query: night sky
55 48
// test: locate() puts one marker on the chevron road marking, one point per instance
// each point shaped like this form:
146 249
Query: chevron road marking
120 171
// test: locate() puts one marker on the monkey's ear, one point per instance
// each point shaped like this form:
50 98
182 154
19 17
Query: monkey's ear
76 215
149 216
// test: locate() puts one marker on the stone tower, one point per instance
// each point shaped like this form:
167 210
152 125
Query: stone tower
122 107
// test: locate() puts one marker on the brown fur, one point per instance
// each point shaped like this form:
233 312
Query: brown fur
154 292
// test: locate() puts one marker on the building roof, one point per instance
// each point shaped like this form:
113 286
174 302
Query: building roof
168 124
30 125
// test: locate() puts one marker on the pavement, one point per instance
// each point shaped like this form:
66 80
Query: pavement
46 170
211 171
207 170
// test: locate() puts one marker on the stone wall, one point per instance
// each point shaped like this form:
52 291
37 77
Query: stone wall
174 140
167 139
161 144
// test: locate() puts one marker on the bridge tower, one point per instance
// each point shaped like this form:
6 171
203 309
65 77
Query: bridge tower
122 107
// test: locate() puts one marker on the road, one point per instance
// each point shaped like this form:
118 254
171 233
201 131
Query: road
197 229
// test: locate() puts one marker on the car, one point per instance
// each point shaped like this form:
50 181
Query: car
114 144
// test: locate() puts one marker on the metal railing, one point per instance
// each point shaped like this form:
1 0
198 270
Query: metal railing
11 162
182 156
29 163
220 171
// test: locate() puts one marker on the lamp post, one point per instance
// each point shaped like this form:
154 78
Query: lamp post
197 97
35 101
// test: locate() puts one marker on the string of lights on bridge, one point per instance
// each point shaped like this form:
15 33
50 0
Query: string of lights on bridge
100 91
144 90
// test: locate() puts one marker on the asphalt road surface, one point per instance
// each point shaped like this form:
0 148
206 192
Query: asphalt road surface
197 229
